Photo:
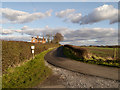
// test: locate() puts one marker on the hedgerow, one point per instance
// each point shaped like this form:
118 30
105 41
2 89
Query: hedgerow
27 75
16 52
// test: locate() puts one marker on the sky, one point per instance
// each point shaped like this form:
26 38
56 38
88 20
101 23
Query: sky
81 23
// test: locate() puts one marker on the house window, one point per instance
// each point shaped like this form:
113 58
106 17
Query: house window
33 40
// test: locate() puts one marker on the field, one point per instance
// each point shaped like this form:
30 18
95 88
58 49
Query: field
93 55
102 52
16 52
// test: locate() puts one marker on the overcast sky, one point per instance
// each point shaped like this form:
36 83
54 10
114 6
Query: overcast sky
81 23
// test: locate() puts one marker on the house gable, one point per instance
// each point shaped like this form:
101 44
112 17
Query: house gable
38 40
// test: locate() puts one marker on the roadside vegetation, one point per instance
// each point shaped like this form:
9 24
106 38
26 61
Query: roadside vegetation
16 52
28 74
92 55
102 52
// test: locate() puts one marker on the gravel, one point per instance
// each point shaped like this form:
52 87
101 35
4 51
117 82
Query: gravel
71 79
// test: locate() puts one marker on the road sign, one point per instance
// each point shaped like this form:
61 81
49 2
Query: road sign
32 47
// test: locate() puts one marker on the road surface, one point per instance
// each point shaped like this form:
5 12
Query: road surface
57 58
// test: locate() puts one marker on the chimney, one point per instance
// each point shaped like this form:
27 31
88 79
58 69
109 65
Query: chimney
37 36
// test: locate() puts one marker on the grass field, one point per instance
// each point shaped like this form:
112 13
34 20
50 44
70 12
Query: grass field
102 52
95 55
28 74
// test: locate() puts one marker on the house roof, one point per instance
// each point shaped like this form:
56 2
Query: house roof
39 38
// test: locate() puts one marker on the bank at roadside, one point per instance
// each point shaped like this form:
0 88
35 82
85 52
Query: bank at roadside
27 75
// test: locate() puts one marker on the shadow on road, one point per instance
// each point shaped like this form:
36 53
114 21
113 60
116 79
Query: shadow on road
59 52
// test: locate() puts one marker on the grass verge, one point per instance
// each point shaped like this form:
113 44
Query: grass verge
93 60
27 75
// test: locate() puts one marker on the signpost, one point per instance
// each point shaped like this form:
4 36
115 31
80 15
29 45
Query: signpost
32 48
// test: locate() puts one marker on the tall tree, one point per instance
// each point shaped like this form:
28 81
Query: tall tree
48 38
58 37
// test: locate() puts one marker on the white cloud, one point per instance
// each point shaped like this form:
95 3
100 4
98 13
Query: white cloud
2 21
92 36
105 12
16 16
69 15
80 36
74 18
43 31
16 37
83 36
6 31
64 13
24 27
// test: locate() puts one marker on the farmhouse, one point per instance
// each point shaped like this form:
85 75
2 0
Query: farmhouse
38 40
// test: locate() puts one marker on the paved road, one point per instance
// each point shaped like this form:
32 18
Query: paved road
57 58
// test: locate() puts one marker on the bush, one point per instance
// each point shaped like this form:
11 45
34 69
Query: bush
79 52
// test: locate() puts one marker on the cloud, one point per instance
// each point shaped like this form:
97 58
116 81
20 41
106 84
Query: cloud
3 21
16 16
74 18
92 36
64 13
105 12
6 31
92 33
24 27
82 36
16 37
43 31
69 15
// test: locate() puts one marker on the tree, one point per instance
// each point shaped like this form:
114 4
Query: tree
48 38
58 37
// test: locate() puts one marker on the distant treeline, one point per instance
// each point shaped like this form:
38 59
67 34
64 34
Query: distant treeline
116 46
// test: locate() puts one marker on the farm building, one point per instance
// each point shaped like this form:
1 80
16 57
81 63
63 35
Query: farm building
38 40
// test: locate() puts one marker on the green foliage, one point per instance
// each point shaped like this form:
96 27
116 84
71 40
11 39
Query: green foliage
100 51
27 75
15 52
92 60
57 38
